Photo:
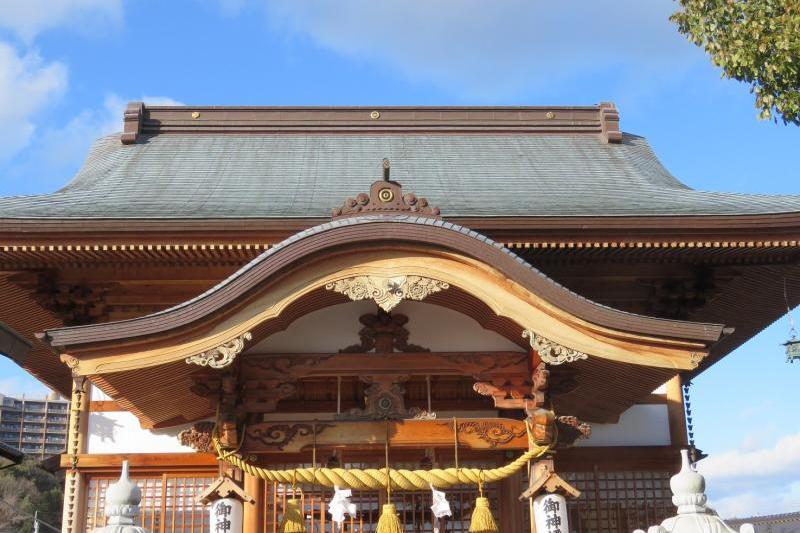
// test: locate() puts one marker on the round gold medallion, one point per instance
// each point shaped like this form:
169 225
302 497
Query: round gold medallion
385 195
195 114
375 115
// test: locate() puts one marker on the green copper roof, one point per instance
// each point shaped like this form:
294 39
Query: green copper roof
305 175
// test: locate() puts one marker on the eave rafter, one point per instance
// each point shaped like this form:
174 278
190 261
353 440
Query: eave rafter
502 297
411 257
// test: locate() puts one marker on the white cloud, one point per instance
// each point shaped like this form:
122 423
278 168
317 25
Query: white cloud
761 502
494 49
66 147
747 481
24 385
27 86
782 458
27 18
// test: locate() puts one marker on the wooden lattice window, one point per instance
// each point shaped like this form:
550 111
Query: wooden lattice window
613 502
168 502
413 507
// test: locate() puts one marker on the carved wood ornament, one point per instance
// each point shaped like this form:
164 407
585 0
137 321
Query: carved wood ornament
198 437
384 399
551 352
223 355
517 392
278 436
474 433
494 432
387 292
383 333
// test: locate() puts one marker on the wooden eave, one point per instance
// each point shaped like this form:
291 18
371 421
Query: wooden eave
376 232
152 349
768 227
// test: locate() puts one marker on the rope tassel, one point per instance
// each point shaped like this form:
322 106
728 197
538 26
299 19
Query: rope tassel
389 522
293 520
482 520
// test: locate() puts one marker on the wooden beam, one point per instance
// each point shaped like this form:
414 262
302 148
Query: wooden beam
473 433
104 406
145 462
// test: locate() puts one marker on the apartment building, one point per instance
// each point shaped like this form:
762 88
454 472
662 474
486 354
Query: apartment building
35 426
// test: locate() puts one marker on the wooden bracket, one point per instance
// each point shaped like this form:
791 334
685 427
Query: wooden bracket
544 479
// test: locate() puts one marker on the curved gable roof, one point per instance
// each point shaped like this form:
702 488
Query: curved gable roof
380 229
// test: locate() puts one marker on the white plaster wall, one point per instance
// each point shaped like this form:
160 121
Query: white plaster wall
99 396
120 432
661 390
431 326
641 425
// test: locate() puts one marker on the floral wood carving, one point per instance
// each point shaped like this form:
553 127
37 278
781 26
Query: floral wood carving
384 399
198 437
571 429
387 292
491 432
278 436
383 333
386 197
551 352
223 355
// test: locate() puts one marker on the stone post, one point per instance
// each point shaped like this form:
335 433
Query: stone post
122 505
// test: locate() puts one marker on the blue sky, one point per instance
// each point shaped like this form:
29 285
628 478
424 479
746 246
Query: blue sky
67 67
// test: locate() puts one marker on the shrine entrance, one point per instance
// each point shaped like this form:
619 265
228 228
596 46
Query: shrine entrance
413 509
386 349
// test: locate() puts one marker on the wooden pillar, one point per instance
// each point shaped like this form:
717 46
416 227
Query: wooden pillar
253 516
510 509
676 413
73 516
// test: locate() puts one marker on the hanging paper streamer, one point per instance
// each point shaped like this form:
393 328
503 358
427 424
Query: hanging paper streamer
440 507
341 504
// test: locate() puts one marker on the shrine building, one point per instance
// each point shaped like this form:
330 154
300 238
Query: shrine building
284 299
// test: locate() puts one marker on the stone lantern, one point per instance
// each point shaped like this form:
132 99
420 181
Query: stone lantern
689 496
122 505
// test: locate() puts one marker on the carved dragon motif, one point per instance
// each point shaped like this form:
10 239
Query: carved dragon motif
493 433
278 436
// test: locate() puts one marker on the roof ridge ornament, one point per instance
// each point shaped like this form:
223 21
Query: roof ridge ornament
386 198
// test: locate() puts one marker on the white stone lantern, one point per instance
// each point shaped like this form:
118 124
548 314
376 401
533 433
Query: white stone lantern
688 495
122 505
